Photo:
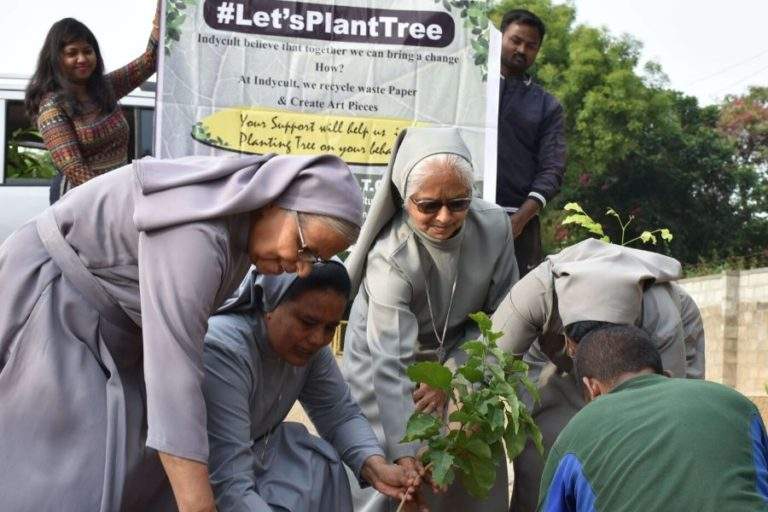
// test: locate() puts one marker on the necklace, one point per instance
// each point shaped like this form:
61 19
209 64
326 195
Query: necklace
441 339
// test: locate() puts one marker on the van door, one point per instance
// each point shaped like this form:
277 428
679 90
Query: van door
26 171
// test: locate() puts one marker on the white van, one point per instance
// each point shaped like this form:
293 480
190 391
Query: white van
24 185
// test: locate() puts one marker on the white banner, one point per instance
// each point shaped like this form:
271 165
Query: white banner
270 76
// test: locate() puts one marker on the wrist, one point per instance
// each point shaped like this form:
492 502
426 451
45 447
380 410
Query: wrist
370 468
529 209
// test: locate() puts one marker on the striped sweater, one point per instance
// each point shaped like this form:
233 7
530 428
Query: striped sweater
91 143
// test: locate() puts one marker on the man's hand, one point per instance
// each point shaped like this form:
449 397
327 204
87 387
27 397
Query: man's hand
429 400
521 217
393 480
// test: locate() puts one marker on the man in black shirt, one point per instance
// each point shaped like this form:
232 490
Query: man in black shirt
531 149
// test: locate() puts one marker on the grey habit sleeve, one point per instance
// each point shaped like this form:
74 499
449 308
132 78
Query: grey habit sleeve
180 272
392 333
227 389
524 311
337 417
661 318
693 331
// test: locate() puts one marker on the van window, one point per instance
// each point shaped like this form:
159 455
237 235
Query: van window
26 160
145 124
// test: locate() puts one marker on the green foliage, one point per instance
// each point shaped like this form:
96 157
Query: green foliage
475 15
727 263
174 20
26 163
581 219
744 121
433 374
488 413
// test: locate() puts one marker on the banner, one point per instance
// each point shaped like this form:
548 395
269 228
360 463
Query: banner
298 78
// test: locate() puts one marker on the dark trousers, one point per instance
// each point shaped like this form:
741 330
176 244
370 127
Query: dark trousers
561 399
528 247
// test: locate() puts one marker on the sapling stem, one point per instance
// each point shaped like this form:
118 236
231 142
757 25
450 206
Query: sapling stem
402 501
640 237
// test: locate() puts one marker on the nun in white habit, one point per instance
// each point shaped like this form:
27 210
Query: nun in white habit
104 305
429 255
578 289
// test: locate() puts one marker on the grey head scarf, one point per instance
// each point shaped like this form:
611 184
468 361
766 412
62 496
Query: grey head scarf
411 146
263 293
599 281
195 188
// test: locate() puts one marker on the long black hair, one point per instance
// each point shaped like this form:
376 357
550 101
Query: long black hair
48 77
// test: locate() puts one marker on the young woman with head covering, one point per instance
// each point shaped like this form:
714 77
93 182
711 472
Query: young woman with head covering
264 350
74 104
104 307
429 255
583 287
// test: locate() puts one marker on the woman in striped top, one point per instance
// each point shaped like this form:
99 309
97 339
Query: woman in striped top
74 104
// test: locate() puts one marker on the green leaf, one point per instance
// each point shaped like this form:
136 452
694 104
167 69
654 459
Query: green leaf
472 374
573 207
442 464
487 404
513 419
431 373
496 371
474 348
478 448
461 416
480 477
517 365
420 427
534 432
482 320
532 388
496 418
647 236
493 336
514 442
585 221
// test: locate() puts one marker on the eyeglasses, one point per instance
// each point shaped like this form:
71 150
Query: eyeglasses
430 206
305 253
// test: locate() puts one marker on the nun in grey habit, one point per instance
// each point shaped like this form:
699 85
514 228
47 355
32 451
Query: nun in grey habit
413 295
258 462
591 281
104 305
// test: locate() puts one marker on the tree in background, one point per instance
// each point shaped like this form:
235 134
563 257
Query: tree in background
743 120
644 149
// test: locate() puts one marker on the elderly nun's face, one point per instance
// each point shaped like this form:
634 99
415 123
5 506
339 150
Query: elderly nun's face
298 328
446 187
274 242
